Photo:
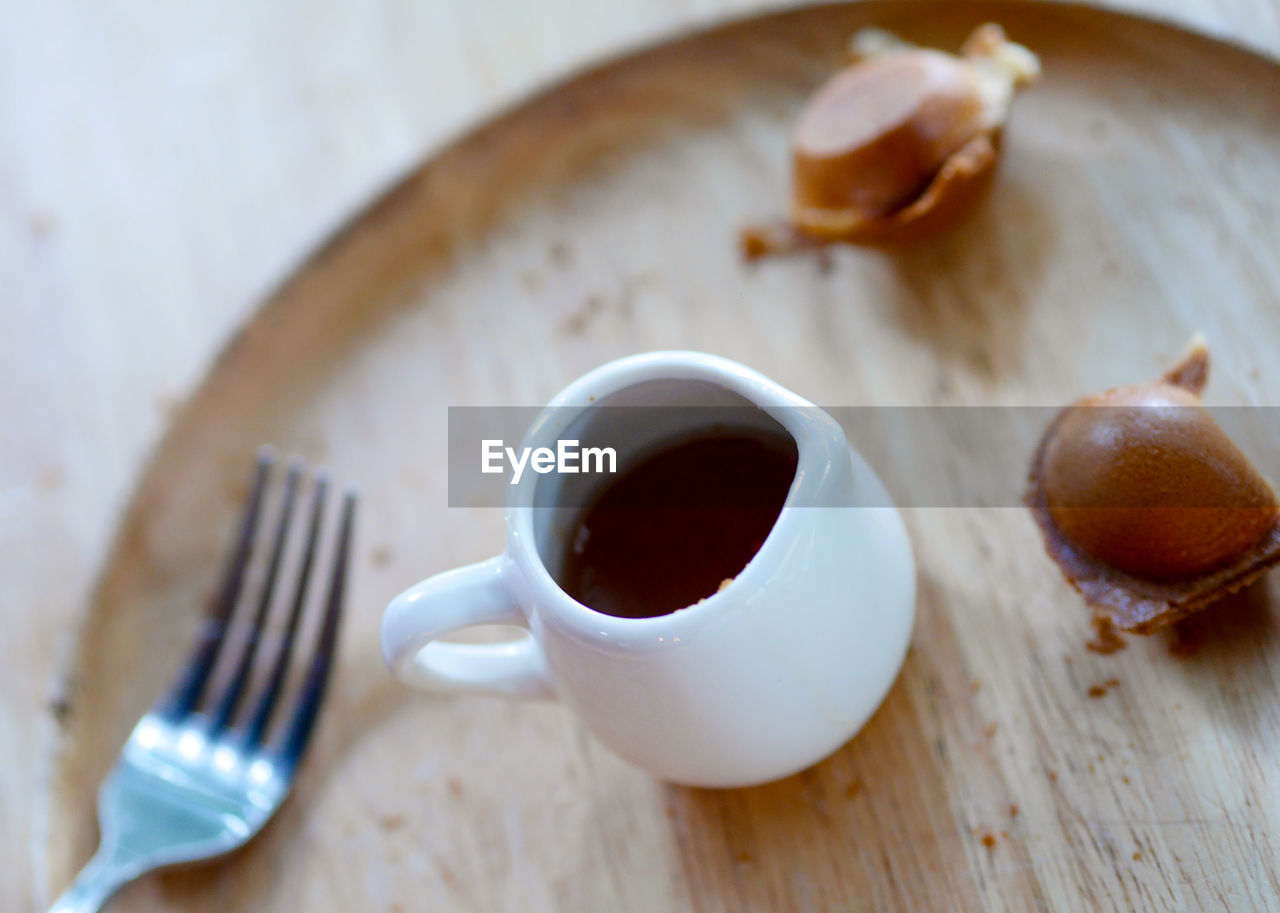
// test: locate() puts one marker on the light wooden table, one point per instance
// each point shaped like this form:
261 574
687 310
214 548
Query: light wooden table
160 169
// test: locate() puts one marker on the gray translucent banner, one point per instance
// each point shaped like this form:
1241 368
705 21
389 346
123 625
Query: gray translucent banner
927 456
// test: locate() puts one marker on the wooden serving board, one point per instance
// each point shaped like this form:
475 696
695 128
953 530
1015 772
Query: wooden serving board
1137 203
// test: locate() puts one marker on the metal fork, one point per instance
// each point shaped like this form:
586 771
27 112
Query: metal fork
191 782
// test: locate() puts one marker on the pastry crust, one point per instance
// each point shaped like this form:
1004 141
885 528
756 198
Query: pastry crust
1125 600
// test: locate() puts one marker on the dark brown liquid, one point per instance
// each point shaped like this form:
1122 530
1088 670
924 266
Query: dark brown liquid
668 531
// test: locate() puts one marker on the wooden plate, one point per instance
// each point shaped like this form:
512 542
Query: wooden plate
1136 204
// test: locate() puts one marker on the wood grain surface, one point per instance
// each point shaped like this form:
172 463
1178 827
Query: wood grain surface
160 170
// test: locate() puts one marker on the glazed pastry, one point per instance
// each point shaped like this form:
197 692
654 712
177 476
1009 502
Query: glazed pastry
897 144
1151 511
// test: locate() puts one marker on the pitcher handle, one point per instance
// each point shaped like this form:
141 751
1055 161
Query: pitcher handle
477 594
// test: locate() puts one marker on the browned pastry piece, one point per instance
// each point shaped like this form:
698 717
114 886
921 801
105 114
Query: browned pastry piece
898 144
1151 511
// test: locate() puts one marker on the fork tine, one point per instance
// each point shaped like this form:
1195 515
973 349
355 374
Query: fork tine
304 716
231 697
262 715
186 691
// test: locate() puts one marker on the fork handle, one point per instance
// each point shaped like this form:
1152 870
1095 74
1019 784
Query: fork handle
101 877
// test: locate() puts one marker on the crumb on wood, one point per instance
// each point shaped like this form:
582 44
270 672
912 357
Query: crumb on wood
758 241
1137 856
576 323
989 840
853 790
1004 835
60 707
1053 776
743 858
1101 689
753 242
990 731
1106 641
530 281
560 254
1013 811
1124 779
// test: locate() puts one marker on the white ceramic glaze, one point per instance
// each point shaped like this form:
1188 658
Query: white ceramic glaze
758 681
